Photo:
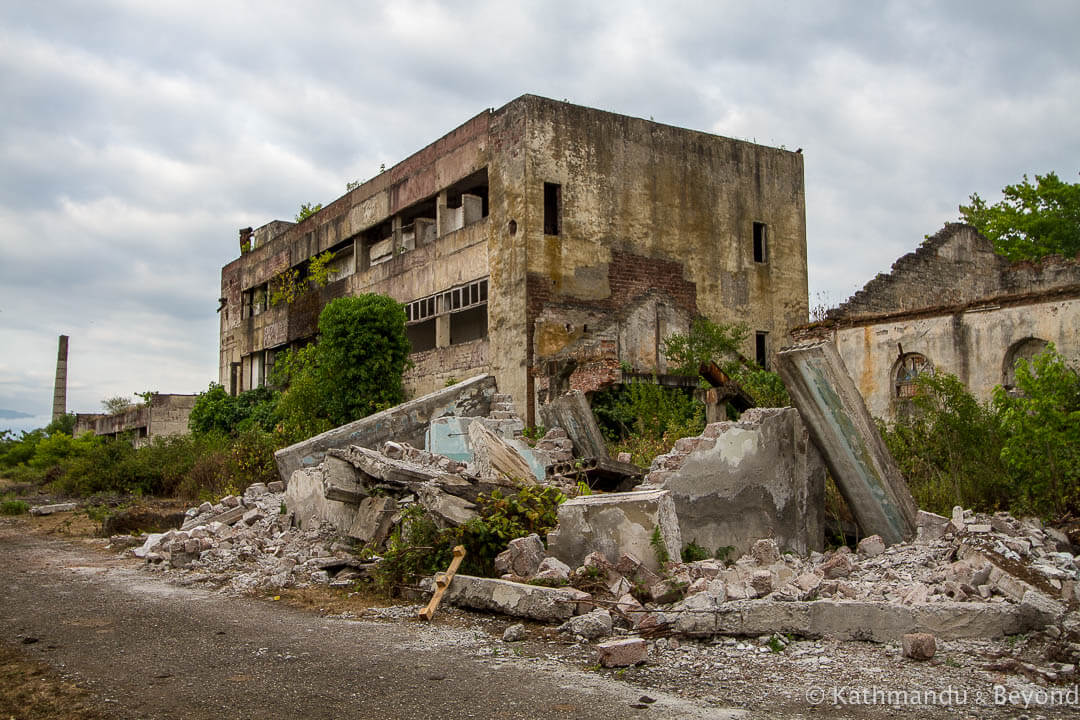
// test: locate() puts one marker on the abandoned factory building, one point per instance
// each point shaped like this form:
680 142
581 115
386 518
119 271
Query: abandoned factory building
954 306
552 245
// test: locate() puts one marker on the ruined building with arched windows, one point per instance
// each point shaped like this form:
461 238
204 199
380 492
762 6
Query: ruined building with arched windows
953 306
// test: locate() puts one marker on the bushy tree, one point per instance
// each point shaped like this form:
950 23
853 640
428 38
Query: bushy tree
116 405
1034 220
1041 421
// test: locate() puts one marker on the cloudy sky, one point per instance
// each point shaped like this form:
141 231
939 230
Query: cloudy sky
136 137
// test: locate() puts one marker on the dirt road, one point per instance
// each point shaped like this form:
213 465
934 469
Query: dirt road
147 649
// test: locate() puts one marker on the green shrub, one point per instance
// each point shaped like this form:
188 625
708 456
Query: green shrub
694 552
14 507
645 419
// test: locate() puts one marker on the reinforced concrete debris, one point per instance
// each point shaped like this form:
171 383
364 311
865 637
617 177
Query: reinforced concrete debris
611 570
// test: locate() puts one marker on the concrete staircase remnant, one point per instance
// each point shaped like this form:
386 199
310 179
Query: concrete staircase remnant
844 432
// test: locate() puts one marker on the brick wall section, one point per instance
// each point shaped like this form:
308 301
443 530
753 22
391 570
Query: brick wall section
432 368
957 266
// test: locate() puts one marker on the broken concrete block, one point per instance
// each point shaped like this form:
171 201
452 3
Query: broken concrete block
760 477
665 591
405 423
553 570
572 413
374 520
630 608
305 500
445 509
841 427
930 527
152 541
514 633
838 565
341 481
919 646
590 626
276 486
545 604
762 582
871 546
522 556
50 509
615 524
765 551
253 516
256 490
494 457
622 653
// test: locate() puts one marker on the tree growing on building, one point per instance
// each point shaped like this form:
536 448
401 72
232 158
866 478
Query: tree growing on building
1032 221
116 405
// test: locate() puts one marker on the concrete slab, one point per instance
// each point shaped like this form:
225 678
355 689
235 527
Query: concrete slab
572 413
544 604
760 477
615 524
844 432
407 422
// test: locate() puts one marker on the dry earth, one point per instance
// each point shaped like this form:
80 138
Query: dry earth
88 634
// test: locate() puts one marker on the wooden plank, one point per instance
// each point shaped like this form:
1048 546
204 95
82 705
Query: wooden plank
442 581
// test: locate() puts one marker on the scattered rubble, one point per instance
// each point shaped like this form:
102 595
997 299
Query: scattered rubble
51 509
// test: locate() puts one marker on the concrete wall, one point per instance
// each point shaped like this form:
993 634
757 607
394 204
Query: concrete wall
165 415
959 306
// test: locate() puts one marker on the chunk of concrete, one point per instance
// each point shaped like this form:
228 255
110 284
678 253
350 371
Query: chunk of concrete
572 413
522 556
919 646
494 457
760 477
374 520
841 427
50 509
622 653
305 500
871 546
615 524
553 570
404 423
591 625
445 509
536 602
341 481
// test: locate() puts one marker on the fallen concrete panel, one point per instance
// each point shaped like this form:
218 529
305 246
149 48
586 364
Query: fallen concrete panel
739 482
572 413
844 432
853 620
544 604
616 524
304 498
50 509
407 423
493 456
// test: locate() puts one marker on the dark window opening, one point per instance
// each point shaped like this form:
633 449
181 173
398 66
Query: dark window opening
761 350
552 206
468 325
421 335
760 247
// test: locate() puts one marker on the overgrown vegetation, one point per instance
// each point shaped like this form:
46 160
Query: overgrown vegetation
645 419
417 547
354 369
1020 452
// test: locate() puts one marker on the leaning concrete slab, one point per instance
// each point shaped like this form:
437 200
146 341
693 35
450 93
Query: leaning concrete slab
573 414
844 432
616 524
536 602
406 423
740 482
852 620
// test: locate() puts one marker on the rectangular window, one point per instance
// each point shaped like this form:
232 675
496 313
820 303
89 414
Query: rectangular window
760 247
552 206
761 350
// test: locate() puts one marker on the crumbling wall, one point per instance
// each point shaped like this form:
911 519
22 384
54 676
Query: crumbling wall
739 482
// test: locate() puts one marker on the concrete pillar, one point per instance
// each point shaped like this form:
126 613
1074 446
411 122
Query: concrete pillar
841 427
395 224
442 331
440 213
60 387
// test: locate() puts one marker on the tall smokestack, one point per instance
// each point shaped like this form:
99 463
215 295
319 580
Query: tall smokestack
59 401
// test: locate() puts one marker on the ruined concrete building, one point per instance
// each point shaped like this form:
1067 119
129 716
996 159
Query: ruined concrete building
552 245
163 415
955 306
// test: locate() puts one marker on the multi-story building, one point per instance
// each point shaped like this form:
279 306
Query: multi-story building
552 245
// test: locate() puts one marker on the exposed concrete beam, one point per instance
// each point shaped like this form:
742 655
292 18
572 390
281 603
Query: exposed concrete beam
841 427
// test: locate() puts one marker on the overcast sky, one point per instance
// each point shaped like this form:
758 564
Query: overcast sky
137 137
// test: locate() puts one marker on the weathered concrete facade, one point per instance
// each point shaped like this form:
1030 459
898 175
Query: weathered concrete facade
164 415
549 244
954 306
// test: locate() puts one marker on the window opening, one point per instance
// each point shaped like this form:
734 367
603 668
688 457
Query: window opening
552 208
760 247
908 370
761 349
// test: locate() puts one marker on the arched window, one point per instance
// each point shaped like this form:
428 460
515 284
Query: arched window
908 369
1025 349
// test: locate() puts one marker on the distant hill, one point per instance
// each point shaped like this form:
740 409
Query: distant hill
13 414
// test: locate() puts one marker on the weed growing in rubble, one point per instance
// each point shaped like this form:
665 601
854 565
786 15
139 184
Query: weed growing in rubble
694 552
658 546
14 507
